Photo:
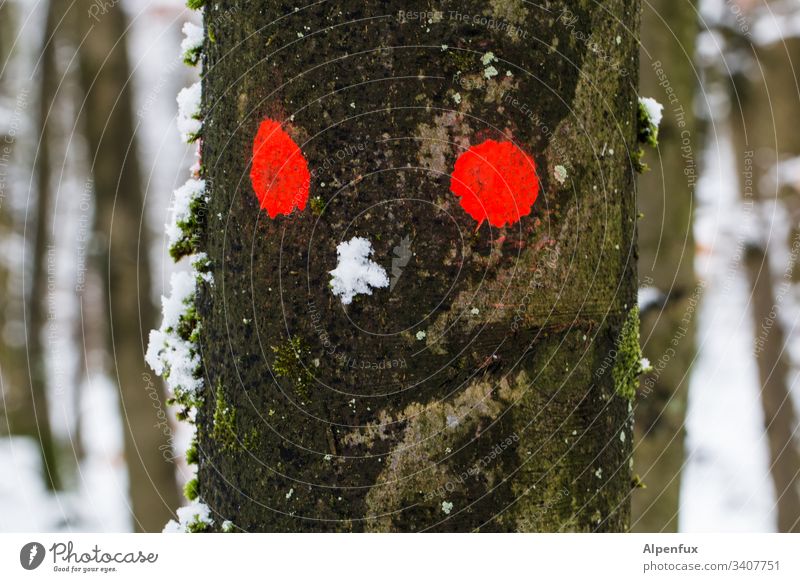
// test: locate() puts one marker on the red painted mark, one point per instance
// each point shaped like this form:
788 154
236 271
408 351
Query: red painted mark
495 181
280 172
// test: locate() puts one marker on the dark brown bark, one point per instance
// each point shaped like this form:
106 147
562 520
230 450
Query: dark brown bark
293 437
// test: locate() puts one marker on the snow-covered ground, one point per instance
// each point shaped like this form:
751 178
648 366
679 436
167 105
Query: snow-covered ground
726 485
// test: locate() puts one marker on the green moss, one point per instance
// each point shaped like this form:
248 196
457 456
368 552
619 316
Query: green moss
628 361
289 364
192 56
190 490
224 431
192 230
638 165
250 440
195 4
647 130
192 455
463 60
512 11
197 526
317 206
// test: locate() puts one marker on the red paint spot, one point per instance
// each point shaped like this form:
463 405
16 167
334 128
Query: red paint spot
279 172
496 181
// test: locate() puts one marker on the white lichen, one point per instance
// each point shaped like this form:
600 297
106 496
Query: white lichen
447 507
188 121
421 334
355 273
486 60
560 173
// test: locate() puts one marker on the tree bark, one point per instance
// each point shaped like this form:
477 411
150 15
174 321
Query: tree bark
107 113
491 388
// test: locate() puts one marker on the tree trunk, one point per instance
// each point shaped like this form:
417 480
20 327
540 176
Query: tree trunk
491 388
763 119
16 405
37 298
666 264
119 213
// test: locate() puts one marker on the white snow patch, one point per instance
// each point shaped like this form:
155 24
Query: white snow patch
774 26
650 297
447 507
726 483
192 39
191 191
168 354
200 265
195 512
653 108
355 273
189 112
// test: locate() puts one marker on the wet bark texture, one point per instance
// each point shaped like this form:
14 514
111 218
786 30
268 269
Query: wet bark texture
667 263
107 113
513 407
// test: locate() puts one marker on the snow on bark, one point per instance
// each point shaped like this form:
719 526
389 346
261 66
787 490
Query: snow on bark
356 273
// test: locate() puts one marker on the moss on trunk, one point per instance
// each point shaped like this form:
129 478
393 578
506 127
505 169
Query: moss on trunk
504 414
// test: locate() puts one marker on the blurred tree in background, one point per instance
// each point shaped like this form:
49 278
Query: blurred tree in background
764 96
666 263
106 113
